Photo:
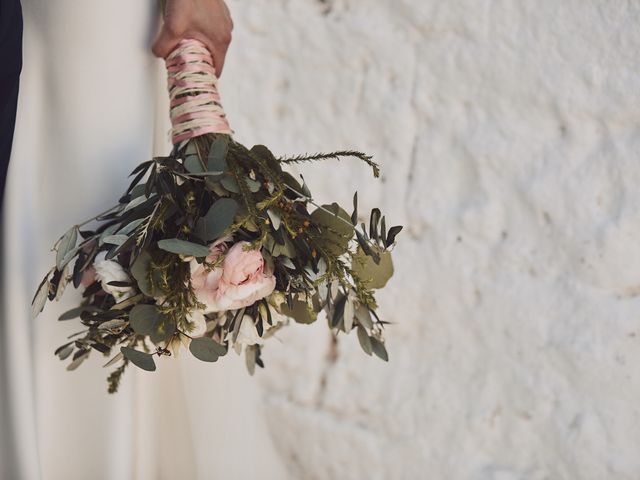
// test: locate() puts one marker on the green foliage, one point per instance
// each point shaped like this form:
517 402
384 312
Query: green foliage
174 207
206 349
139 359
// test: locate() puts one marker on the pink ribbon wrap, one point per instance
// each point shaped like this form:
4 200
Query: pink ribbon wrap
195 107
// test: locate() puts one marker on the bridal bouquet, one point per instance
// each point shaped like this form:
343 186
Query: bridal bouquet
215 247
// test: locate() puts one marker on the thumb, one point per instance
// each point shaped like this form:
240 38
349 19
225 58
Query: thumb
165 43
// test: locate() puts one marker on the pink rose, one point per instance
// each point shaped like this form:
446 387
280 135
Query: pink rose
239 282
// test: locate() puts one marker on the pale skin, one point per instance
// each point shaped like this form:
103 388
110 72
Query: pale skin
206 20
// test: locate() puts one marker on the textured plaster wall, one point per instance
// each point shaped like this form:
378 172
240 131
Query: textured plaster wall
508 132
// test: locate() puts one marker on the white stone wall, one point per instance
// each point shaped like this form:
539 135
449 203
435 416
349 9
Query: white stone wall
508 132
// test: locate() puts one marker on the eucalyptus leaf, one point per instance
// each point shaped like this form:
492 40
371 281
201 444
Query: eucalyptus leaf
375 274
206 349
145 319
110 230
287 249
64 281
253 185
67 244
363 315
348 314
250 355
136 202
115 324
217 219
300 311
192 164
140 359
379 349
391 236
140 271
286 262
264 154
230 184
275 218
373 223
71 314
138 190
114 360
216 159
115 239
65 351
354 215
40 298
77 361
365 341
183 247
336 228
130 227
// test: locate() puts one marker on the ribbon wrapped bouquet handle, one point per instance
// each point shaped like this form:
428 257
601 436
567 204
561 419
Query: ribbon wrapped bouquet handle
216 247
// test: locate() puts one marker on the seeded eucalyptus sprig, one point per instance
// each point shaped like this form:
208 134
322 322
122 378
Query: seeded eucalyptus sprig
213 189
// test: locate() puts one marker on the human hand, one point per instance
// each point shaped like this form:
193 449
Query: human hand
206 20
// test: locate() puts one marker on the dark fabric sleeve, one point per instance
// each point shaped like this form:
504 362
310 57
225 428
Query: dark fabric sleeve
10 67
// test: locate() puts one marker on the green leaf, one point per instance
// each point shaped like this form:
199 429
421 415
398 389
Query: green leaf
379 349
253 185
300 311
126 230
110 230
354 215
365 341
287 263
114 360
363 315
77 361
115 324
373 223
348 315
140 359
275 218
71 314
67 244
336 227
263 153
206 349
391 236
287 249
375 274
140 271
115 239
64 351
40 298
137 202
165 331
183 247
217 219
216 159
192 164
145 319
230 184
250 353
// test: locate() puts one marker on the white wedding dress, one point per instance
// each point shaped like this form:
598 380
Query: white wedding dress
92 106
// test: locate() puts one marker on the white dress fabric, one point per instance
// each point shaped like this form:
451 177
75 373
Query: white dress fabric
92 106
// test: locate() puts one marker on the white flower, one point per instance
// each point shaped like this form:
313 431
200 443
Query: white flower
111 271
198 320
247 334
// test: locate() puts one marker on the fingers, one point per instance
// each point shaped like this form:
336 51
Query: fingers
163 45
208 22
219 55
